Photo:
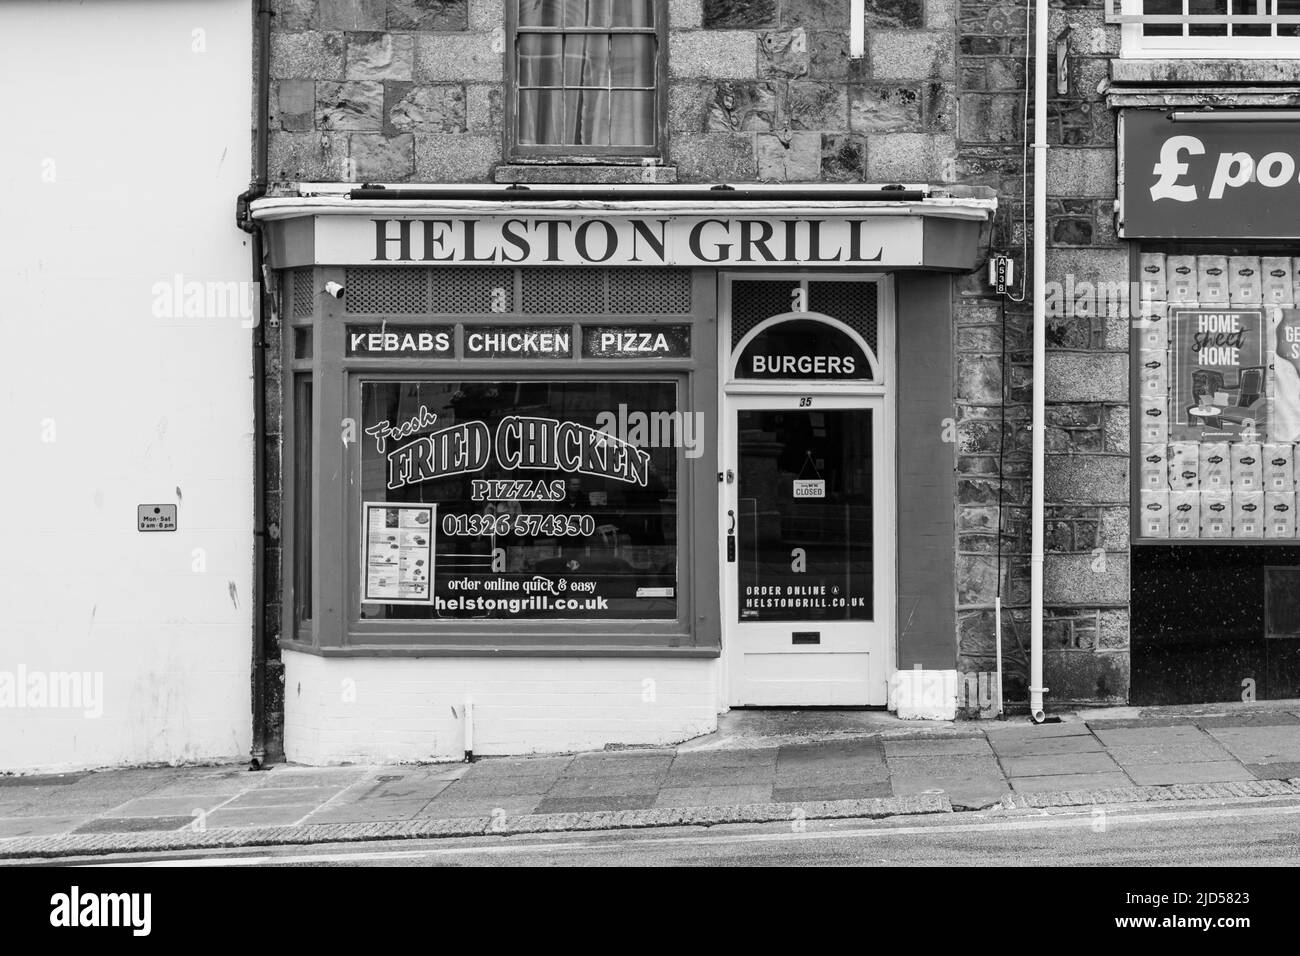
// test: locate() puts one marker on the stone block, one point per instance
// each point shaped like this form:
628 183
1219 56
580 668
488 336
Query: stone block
451 158
349 106
440 108
1100 479
456 57
1085 579
315 56
717 157
295 104
844 158
941 14
791 157
742 107
429 15
884 109
353 14
685 14
738 14
378 158
1081 172
1087 377
1087 265
689 103
979 380
483 111
828 57
912 55
910 157
817 106
1087 676
991 118
784 53
713 54
487 15
380 56
309 157
296 15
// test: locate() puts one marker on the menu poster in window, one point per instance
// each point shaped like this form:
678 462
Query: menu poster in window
397 553
1218 368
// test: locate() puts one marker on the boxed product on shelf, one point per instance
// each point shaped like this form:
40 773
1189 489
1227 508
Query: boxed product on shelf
1248 514
1153 420
1215 465
1216 514
1247 466
1212 280
1153 327
1184 465
1153 470
1153 373
1155 513
1276 280
1279 511
1180 279
1245 286
1152 283
1184 514
1279 466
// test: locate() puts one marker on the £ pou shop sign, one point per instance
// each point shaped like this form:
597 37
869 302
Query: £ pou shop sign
623 240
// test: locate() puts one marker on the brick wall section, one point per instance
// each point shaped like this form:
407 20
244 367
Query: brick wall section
1086 486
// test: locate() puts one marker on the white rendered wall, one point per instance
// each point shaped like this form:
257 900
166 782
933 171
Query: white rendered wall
395 709
127 138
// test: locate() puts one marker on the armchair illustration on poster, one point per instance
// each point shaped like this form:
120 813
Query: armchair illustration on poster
1217 374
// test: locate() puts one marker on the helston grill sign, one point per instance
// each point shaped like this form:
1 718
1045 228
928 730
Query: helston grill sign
621 240
1212 178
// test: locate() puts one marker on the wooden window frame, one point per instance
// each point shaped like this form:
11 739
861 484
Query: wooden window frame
517 152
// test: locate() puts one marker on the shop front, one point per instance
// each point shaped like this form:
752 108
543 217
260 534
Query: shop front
1210 201
563 473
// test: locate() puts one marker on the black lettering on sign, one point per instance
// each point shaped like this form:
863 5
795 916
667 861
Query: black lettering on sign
636 341
430 341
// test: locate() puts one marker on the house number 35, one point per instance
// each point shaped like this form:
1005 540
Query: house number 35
805 401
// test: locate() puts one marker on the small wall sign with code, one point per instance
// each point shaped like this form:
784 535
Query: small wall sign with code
155 517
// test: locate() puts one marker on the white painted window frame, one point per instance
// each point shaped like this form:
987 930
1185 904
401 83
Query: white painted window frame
1135 45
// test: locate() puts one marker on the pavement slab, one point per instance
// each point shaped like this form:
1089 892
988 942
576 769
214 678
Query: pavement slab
132 824
613 765
257 816
956 746
627 801
713 796
282 797
479 807
1260 744
1049 764
841 791
1272 718
1275 771
999 730
368 811
1220 771
1201 751
1071 781
1022 746
1137 736
11 827
751 774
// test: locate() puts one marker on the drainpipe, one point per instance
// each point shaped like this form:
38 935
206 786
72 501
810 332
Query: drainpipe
1038 413
257 189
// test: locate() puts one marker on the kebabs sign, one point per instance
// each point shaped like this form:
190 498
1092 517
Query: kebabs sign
1212 178
616 240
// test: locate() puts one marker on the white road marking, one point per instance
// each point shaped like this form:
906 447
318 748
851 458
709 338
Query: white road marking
1077 818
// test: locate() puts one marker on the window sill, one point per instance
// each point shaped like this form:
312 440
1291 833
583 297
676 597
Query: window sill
587 174
1202 70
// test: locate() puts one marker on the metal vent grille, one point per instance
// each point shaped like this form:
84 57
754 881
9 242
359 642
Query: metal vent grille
853 303
472 291
754 301
649 291
303 300
387 291
562 291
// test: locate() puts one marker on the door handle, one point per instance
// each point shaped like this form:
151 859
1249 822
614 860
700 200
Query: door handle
731 538
731 515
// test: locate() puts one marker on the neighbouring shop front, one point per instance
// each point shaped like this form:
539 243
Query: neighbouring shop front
1211 204
573 472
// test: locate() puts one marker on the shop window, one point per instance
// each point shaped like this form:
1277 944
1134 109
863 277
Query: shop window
585 77
527 501
1207 28
1217 413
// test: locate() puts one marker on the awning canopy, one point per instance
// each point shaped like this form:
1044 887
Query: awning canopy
826 226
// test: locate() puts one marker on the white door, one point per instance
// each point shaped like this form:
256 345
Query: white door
808 548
